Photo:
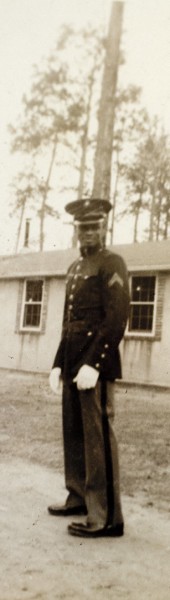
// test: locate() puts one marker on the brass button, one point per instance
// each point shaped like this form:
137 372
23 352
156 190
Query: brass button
97 365
89 333
106 345
103 355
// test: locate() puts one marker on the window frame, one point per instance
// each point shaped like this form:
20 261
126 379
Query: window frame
31 328
144 334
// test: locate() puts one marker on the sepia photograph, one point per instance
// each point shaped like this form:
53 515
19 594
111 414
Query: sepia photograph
85 299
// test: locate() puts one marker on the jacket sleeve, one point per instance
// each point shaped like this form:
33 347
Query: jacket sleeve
60 354
115 303
59 357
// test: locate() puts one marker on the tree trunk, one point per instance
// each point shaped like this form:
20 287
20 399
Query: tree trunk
152 210
20 225
166 223
104 148
114 200
151 221
135 232
85 136
45 193
84 146
137 213
158 217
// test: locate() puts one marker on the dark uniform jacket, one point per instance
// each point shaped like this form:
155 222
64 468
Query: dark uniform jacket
95 315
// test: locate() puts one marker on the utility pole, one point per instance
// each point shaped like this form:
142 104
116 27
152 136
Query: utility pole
104 148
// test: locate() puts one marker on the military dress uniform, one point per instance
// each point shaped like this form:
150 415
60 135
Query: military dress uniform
95 316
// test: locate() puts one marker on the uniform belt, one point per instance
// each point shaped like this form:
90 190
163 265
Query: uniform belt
80 326
76 325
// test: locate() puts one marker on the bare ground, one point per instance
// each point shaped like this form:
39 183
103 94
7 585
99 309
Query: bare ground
38 559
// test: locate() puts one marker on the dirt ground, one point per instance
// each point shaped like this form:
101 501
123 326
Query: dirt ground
38 559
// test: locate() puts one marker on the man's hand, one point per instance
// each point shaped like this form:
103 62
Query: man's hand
86 377
55 380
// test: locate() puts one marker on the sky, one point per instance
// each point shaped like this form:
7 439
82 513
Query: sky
28 30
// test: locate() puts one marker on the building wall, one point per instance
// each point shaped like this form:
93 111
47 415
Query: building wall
143 360
29 351
147 361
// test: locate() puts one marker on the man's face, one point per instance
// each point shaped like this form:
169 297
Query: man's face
91 234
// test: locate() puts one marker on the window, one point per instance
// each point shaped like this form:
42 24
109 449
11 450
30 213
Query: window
142 308
32 304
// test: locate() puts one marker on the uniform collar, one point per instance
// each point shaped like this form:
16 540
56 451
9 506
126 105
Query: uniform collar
90 251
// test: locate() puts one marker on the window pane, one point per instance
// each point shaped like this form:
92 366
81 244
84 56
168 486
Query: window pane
34 291
141 317
32 315
143 289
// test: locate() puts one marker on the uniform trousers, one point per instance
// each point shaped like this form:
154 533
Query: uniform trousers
90 453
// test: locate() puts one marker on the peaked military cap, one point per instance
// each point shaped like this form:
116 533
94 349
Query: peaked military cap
88 210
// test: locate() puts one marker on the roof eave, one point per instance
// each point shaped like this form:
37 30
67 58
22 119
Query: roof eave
62 274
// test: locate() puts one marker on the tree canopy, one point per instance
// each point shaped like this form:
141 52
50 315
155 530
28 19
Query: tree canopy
56 133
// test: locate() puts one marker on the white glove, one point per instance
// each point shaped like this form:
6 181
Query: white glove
86 377
55 380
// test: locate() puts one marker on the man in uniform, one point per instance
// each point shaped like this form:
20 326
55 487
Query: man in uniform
88 362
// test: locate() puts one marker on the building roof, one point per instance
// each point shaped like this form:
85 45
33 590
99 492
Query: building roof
144 256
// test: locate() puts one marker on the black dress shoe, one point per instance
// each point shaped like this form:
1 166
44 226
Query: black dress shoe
85 530
66 511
